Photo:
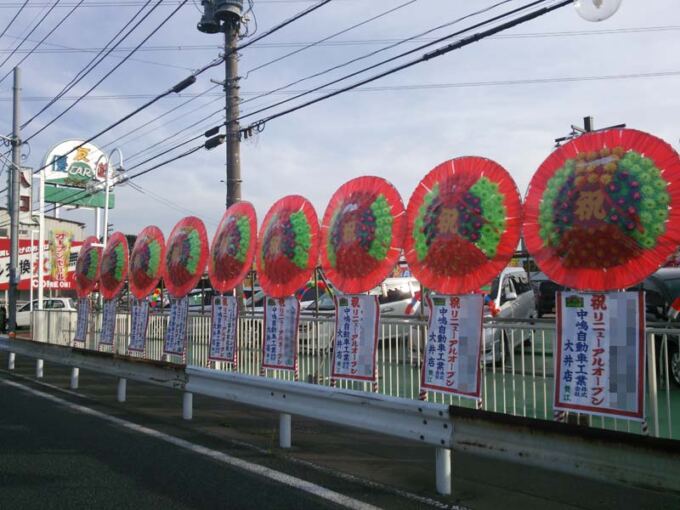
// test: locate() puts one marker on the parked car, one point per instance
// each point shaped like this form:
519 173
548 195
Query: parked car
59 303
662 299
510 297
545 290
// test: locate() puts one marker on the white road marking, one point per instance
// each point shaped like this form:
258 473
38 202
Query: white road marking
256 469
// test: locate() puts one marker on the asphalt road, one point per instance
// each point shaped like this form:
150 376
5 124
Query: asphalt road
55 457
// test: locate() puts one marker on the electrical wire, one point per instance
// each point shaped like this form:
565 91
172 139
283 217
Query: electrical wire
93 63
11 22
423 58
151 34
329 37
480 24
45 37
380 50
35 27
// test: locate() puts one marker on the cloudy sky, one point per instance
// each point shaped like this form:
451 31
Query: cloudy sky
506 98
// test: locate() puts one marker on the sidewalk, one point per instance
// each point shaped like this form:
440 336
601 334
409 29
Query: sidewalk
345 460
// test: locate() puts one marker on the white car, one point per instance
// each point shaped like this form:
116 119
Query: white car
511 297
24 313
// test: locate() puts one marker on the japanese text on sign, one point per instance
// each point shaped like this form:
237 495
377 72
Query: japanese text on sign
83 321
176 336
356 337
453 348
279 349
600 353
139 322
224 328
108 322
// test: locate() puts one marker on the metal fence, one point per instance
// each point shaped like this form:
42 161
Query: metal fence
517 362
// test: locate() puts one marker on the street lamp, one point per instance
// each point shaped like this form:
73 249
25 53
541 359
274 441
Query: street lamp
108 188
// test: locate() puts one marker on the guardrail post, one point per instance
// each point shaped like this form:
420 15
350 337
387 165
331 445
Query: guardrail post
10 362
188 405
443 471
39 364
122 389
284 431
75 373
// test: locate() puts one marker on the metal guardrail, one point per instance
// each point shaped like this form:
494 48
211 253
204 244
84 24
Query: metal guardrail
517 368
596 454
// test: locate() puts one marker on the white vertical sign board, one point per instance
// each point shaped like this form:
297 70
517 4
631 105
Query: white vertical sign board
176 335
454 345
139 323
83 321
600 353
223 329
280 346
356 337
108 322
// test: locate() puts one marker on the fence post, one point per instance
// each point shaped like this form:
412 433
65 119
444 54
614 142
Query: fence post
122 389
75 373
651 382
187 405
443 469
39 368
284 430
11 360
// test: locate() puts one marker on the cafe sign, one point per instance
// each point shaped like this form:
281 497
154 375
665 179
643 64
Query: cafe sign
69 164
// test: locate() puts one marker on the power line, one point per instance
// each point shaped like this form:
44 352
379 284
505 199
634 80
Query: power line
142 126
423 58
61 48
151 34
52 30
35 27
11 22
380 50
90 66
327 38
391 59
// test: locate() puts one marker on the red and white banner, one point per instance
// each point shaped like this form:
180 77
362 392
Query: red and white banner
138 324
108 322
83 320
224 326
176 335
59 262
599 362
280 346
357 318
454 345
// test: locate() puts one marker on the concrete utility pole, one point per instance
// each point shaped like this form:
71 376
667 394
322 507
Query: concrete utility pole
15 170
231 90
225 16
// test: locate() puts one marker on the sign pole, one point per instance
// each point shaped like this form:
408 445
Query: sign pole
41 241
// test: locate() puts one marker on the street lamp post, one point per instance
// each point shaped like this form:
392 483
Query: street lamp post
108 188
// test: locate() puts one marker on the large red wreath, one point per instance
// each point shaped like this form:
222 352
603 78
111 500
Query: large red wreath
185 256
114 266
233 248
362 234
146 261
464 222
602 212
87 267
288 246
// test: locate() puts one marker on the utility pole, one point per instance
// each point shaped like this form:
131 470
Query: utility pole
231 91
225 16
15 170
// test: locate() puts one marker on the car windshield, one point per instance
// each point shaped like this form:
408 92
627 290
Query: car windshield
326 302
673 285
494 288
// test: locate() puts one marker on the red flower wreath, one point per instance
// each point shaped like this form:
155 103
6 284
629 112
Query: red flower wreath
362 234
464 223
603 212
